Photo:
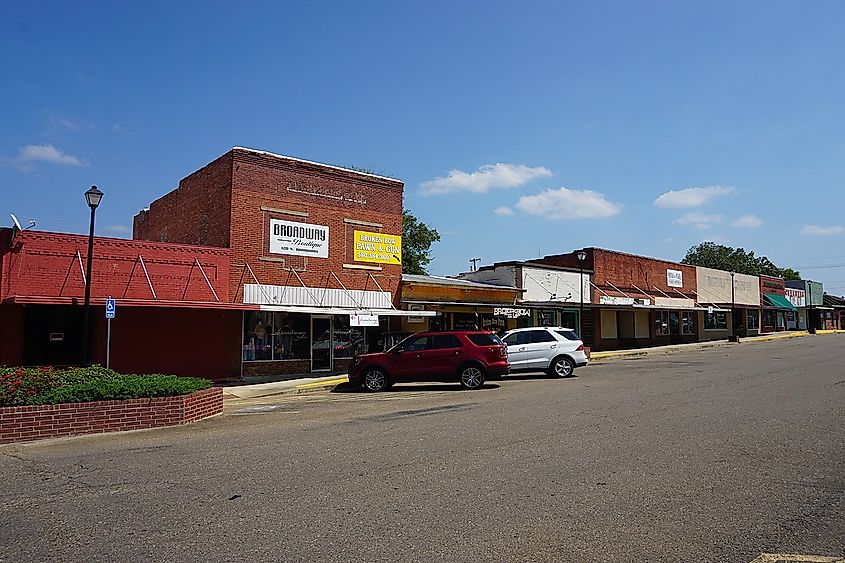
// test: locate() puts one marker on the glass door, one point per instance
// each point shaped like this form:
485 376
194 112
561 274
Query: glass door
321 343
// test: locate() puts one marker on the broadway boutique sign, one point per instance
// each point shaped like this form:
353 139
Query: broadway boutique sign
300 239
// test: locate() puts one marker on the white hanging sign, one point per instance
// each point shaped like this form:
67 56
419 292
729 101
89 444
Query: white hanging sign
363 320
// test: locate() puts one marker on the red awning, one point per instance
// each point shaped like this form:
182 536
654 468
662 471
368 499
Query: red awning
101 301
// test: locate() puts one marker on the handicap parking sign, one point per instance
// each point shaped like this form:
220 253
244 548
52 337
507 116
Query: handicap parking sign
111 307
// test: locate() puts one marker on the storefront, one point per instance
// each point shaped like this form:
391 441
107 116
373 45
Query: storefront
812 310
797 319
738 298
636 301
458 304
553 296
278 266
774 304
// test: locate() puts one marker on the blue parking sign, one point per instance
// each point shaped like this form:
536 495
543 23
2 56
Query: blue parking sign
111 307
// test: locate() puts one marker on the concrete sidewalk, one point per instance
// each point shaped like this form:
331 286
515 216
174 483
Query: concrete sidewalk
303 385
615 354
240 395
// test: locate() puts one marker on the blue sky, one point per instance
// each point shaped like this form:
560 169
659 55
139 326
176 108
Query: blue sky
519 128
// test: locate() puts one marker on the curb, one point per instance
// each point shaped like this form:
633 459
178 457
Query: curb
597 357
319 386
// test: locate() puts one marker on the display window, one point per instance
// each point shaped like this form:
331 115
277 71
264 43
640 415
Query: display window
661 323
688 323
276 336
348 340
753 319
716 321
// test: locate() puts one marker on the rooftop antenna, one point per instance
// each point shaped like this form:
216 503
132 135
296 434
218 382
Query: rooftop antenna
474 264
16 226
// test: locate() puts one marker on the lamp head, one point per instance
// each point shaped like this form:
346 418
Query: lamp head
581 255
93 197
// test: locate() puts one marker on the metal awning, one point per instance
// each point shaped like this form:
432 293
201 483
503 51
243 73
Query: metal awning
346 311
779 301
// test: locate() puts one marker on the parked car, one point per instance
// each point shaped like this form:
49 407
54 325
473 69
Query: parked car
557 350
467 357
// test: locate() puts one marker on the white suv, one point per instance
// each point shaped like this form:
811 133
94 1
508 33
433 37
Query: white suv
556 350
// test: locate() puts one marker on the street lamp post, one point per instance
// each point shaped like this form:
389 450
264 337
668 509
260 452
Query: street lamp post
92 197
581 257
733 306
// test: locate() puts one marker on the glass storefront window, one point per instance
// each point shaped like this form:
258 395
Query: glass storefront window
661 323
546 318
687 323
753 321
716 321
464 321
276 336
348 340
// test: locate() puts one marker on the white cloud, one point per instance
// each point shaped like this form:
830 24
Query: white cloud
564 203
31 154
822 231
489 176
503 211
691 197
748 222
71 123
699 220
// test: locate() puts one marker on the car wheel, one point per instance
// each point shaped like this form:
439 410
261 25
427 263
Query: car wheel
375 380
561 367
472 377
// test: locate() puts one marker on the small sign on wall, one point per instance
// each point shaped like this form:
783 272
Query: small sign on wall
674 278
57 337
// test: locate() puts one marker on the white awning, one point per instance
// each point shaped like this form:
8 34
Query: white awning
346 311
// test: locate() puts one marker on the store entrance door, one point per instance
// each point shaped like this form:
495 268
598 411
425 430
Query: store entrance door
321 343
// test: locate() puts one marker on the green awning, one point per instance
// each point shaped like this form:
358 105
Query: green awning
779 301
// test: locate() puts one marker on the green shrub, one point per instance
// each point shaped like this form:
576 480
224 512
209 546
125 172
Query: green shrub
48 386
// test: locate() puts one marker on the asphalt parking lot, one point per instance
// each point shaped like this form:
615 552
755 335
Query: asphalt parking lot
710 455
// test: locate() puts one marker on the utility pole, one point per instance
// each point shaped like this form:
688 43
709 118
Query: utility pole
474 264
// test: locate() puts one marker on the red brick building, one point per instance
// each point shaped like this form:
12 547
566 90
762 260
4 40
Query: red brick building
636 301
256 264
173 300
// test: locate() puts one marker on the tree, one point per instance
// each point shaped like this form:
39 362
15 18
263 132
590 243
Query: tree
712 255
417 238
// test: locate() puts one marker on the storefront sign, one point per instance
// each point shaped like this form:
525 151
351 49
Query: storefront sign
796 296
299 239
607 300
416 319
674 278
363 320
377 248
510 313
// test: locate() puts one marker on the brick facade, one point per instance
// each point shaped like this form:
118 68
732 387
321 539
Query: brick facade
43 264
628 276
261 186
21 424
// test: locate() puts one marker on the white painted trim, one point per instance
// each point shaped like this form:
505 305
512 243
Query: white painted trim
362 223
362 267
268 153
284 211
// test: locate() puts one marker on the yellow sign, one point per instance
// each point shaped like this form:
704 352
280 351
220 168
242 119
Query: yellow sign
378 248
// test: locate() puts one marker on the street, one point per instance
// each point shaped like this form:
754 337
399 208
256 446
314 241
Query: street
710 455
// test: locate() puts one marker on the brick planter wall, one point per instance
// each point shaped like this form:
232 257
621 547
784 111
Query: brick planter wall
20 424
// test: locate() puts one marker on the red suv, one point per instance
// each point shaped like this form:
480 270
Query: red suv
464 356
